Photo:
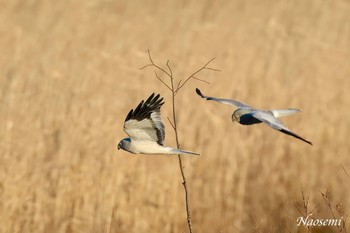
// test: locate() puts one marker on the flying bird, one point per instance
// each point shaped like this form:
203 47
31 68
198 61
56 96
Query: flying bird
146 130
247 115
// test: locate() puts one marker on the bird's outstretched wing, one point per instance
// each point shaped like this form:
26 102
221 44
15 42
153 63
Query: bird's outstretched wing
223 101
145 122
274 123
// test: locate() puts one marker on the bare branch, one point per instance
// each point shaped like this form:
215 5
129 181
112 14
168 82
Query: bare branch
201 80
178 84
177 88
172 125
168 65
187 200
196 72
206 64
155 65
148 65
213 69
162 81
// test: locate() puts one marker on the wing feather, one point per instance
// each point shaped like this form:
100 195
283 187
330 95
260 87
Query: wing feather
274 123
223 101
145 123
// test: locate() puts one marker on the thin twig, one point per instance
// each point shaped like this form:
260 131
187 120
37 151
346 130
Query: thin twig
172 125
145 66
155 65
196 72
155 72
184 182
168 65
201 80
178 84
213 69
177 88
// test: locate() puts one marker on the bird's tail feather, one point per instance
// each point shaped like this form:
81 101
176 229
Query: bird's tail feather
184 152
285 112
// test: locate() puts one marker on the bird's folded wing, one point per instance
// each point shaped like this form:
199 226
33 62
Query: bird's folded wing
223 101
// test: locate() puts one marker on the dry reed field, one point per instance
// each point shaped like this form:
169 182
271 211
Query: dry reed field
70 74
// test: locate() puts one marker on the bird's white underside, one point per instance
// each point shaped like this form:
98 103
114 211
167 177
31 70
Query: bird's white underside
151 147
148 147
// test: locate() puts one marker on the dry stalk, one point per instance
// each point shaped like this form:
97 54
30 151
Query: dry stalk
303 206
174 89
326 195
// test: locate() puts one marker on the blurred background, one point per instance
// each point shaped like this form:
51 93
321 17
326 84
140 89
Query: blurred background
70 74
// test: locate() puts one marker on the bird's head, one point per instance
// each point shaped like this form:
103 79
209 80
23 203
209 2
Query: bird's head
124 144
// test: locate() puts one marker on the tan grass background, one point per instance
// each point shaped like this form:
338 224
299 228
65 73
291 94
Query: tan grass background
69 75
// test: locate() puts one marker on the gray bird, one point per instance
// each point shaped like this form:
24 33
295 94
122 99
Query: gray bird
246 115
146 130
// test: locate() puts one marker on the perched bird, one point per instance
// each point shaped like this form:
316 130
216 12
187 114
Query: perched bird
146 130
246 115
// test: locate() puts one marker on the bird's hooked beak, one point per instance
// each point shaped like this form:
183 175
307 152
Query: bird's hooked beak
119 146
